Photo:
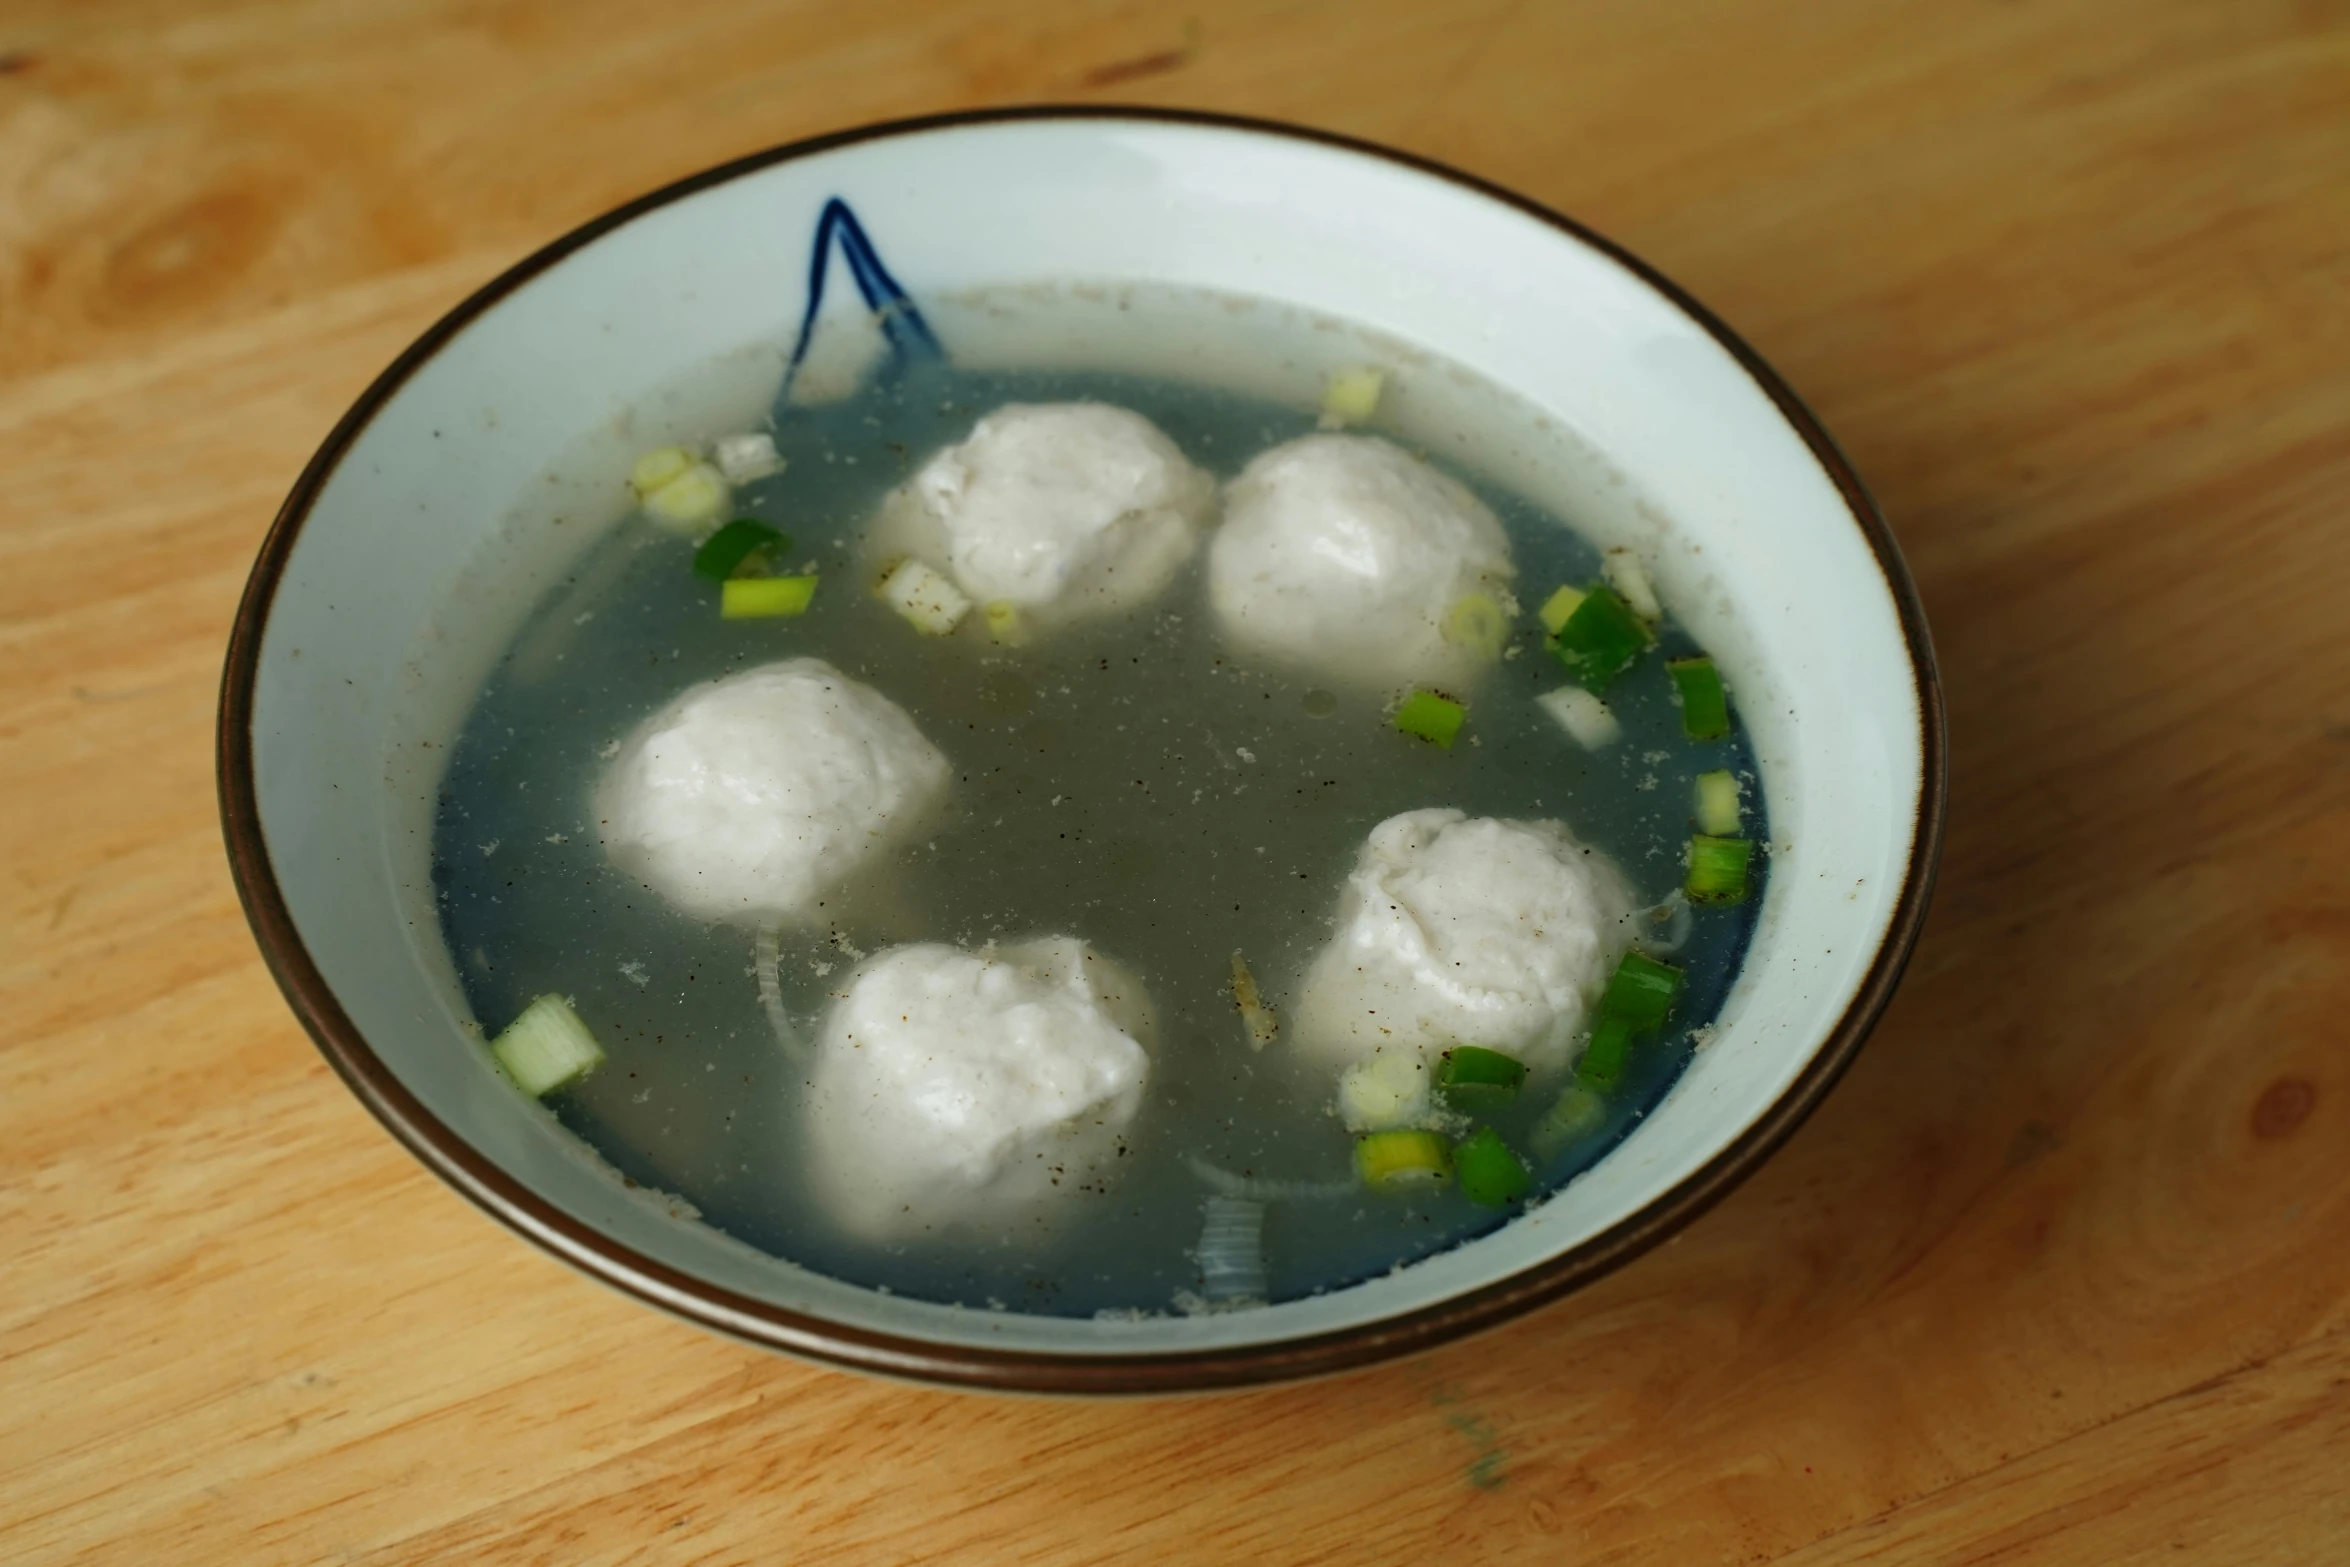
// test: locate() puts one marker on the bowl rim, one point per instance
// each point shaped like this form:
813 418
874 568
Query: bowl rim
769 1326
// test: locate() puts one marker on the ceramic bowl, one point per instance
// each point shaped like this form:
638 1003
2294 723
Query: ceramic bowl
365 632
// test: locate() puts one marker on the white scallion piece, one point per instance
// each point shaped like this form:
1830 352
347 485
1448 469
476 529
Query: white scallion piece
1630 580
691 502
1477 622
928 598
1387 1090
1581 715
1718 811
748 456
547 1047
1352 396
1232 1251
657 467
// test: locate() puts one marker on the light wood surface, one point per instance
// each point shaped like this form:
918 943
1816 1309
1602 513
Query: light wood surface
2061 1273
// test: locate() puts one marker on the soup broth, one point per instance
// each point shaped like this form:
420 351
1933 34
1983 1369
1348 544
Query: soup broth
1129 780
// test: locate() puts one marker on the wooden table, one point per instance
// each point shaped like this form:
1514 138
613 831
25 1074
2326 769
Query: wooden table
2060 1273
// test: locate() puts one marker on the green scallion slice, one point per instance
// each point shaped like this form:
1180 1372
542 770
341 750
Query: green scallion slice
1705 706
546 1048
722 554
1433 718
1403 1160
1600 640
1641 992
755 598
1717 869
1578 1113
1603 1060
1560 608
1472 1077
1489 1173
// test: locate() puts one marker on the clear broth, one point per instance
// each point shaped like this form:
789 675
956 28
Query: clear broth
1129 781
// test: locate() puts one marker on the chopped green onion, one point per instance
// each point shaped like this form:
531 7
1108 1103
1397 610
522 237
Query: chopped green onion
756 598
1717 804
1600 640
746 457
1560 608
657 467
1472 1077
1717 869
1630 580
925 596
722 554
1603 1060
1004 624
1583 716
1352 396
1477 623
1578 1113
1641 992
1489 1173
1402 1160
690 502
1431 717
1705 706
1387 1089
546 1048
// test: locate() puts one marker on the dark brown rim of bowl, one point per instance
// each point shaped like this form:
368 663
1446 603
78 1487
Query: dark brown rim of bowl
756 1321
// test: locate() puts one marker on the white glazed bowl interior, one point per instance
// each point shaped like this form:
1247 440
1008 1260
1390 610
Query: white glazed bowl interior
362 673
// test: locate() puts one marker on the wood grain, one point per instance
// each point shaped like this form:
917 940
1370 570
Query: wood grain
2059 1274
